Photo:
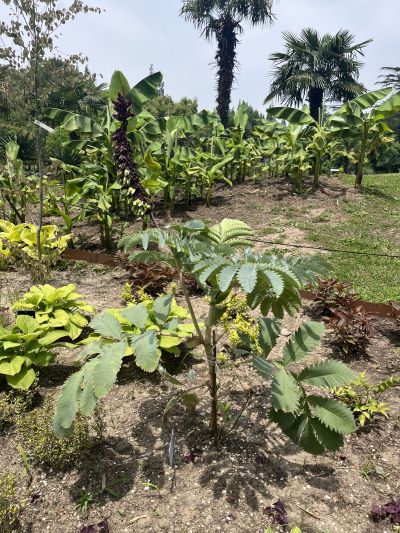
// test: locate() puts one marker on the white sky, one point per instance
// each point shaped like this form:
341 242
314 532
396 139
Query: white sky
132 34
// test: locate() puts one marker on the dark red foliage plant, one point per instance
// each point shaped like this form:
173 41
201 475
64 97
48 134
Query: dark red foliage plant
277 513
351 329
332 294
390 511
101 527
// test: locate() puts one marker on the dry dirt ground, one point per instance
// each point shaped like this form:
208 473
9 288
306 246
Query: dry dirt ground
227 487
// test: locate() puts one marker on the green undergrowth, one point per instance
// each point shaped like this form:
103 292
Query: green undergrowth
372 224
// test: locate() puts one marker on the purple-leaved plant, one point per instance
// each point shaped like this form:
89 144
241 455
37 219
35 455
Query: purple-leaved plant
390 511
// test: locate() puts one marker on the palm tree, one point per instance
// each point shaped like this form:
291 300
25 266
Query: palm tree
392 79
223 20
317 68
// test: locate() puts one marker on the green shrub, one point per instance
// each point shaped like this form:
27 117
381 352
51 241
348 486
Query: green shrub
42 446
10 506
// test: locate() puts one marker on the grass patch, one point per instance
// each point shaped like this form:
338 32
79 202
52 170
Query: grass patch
372 225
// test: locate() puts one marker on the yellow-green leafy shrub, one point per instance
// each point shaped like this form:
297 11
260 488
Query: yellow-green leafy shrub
60 308
42 446
10 505
237 321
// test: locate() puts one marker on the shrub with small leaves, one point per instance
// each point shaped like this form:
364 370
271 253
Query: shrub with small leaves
42 446
351 329
10 504
332 294
363 397
237 320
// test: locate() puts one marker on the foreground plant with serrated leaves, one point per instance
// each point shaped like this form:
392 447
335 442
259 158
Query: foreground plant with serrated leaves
220 258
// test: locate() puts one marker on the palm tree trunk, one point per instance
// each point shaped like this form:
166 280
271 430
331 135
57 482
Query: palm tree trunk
315 99
226 63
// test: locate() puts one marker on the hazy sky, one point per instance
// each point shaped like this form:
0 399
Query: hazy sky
132 34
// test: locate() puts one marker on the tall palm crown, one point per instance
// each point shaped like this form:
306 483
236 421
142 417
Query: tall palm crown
317 68
391 78
223 20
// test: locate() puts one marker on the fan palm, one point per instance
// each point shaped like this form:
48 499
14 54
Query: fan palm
317 68
223 20
392 79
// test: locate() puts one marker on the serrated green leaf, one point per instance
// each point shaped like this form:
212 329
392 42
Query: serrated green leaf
305 339
146 351
327 374
330 440
68 403
107 325
276 282
225 277
302 433
284 420
268 333
247 277
88 399
108 364
137 315
334 414
263 368
162 308
286 393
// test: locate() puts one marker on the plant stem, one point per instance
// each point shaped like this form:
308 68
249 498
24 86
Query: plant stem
190 307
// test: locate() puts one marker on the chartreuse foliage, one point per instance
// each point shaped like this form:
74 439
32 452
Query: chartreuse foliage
143 330
58 308
24 346
316 423
23 237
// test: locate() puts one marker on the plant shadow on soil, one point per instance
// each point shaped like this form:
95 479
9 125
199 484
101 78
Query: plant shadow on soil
247 464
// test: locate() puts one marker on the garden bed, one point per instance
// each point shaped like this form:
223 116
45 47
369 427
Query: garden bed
226 488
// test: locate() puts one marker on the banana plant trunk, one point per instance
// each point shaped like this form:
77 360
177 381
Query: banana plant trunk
317 171
360 164
226 63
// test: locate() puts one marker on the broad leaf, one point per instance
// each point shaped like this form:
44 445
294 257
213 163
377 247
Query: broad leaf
13 366
331 440
225 277
107 325
305 339
88 399
23 380
247 277
137 315
292 115
146 351
286 394
107 367
162 308
266 370
118 86
269 330
334 414
327 374
67 405
27 324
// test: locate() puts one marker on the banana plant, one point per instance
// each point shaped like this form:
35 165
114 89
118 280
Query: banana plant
317 135
17 189
363 120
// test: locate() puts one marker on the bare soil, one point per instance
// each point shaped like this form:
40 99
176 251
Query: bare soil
228 487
